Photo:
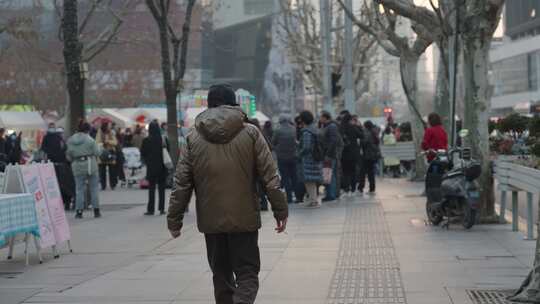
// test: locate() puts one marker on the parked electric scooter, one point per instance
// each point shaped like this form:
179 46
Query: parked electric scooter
451 187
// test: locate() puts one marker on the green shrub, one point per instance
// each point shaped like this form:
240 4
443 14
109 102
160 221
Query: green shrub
492 126
534 127
535 149
514 124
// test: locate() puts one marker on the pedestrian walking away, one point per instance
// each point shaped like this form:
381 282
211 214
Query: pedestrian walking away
371 155
223 159
83 153
156 172
352 138
284 143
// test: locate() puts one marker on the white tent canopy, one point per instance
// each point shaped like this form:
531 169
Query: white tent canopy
113 115
20 121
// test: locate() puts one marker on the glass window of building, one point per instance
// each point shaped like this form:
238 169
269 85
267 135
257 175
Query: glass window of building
532 68
516 74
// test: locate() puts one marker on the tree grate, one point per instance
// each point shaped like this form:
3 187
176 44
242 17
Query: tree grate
489 296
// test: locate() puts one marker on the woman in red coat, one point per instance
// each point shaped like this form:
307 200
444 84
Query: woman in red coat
435 137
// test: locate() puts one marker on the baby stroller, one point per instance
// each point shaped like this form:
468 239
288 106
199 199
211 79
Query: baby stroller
133 164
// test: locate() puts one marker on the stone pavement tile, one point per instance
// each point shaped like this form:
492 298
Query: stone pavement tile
303 285
143 288
16 295
431 297
201 288
316 242
288 301
269 259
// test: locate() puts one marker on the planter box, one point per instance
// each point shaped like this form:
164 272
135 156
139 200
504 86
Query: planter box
516 176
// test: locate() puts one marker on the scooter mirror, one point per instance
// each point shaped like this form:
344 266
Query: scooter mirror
463 133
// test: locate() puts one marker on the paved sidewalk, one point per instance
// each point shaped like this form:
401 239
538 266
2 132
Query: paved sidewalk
358 250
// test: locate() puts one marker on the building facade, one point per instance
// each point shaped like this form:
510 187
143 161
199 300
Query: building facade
516 61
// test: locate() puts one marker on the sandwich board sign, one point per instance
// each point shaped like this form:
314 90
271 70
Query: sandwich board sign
32 184
54 202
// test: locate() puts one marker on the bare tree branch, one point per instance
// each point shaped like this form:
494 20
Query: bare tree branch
93 7
105 38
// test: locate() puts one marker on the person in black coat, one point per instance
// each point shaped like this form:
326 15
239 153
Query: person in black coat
156 172
352 138
54 145
371 155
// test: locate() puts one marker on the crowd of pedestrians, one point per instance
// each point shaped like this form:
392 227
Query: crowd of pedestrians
339 154
93 159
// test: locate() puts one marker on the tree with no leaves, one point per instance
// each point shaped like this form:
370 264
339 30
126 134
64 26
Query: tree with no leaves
382 26
301 34
478 21
173 65
77 50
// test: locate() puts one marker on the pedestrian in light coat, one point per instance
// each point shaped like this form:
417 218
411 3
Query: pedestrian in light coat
83 153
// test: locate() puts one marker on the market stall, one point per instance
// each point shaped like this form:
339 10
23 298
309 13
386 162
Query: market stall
111 115
31 124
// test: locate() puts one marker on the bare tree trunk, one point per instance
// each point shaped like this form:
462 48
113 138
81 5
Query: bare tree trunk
408 64
442 95
477 93
172 125
72 58
529 292
173 68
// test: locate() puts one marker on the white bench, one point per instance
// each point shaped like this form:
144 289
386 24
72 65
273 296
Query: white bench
404 151
515 178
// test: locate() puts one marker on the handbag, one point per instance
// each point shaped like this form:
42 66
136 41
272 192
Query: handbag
167 161
327 176
107 156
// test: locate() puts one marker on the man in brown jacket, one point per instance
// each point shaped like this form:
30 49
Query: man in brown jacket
223 161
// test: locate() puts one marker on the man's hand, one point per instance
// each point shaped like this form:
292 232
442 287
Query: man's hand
175 234
281 225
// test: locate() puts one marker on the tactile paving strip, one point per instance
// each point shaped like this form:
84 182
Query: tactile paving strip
367 269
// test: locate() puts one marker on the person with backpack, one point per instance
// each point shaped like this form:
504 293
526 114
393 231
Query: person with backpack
311 156
284 143
332 144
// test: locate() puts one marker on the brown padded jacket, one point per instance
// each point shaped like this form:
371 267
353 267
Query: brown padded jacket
223 160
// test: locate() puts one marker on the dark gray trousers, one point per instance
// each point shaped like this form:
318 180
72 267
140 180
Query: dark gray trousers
235 262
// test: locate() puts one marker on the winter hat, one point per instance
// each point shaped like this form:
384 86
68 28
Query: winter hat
220 95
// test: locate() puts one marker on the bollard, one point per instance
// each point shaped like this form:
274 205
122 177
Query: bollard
502 213
530 224
515 215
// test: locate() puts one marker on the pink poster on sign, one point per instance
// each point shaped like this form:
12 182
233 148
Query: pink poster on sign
54 202
32 181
